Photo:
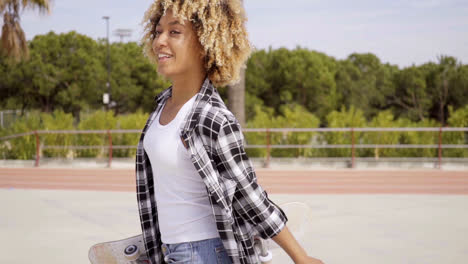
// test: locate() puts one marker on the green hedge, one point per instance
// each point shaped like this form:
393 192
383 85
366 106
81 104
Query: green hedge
99 120
132 121
25 147
290 116
22 147
346 118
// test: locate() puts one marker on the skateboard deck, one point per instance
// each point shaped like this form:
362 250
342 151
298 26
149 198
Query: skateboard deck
132 250
126 251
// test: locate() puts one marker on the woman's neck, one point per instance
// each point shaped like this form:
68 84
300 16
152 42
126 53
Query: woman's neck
186 87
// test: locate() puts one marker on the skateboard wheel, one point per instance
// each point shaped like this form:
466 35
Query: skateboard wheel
268 257
131 252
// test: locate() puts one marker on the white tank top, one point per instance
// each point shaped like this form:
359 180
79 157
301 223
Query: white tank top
184 209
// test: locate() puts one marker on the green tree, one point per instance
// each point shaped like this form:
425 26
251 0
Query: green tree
282 76
257 83
65 72
411 96
458 95
364 82
16 85
271 69
134 80
443 82
310 80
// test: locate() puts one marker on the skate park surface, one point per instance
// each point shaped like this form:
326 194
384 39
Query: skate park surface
55 215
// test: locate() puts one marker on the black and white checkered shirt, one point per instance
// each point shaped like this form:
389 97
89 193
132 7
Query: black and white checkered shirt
241 207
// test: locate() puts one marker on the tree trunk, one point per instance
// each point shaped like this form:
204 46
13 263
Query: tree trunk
443 101
236 98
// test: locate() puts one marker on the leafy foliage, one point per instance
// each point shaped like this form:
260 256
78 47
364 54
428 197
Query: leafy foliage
290 114
99 120
66 77
340 119
130 121
457 118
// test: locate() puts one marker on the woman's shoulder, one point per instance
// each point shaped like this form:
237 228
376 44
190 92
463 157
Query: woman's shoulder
214 116
219 110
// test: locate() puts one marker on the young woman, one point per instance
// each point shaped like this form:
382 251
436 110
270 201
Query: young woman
197 191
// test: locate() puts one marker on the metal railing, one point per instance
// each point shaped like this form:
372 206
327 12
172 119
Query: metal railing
353 146
268 146
8 116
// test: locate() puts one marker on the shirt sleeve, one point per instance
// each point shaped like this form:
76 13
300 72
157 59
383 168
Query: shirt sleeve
250 201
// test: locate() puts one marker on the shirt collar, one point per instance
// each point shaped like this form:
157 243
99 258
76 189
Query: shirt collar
202 98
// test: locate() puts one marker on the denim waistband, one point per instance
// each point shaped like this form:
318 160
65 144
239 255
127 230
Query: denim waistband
167 248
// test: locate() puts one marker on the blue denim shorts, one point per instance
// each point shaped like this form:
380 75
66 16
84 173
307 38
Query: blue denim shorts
208 251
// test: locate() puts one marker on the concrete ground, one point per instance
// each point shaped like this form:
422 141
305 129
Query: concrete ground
59 226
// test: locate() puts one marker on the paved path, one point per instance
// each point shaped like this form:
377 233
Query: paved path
364 217
58 226
298 182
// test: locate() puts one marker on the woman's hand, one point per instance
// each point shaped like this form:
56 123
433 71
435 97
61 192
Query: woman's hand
308 260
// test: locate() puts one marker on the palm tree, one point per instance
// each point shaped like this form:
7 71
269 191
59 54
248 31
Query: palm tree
13 40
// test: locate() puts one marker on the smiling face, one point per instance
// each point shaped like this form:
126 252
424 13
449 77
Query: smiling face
177 48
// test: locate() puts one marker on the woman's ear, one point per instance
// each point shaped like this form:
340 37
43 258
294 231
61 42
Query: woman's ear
202 54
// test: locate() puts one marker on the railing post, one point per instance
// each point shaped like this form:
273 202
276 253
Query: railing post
38 150
440 148
352 148
110 148
268 147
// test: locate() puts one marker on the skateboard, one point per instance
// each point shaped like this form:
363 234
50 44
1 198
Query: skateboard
126 251
132 250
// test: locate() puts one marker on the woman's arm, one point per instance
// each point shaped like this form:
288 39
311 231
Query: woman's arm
250 201
287 241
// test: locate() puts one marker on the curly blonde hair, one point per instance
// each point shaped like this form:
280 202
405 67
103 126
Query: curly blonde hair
220 27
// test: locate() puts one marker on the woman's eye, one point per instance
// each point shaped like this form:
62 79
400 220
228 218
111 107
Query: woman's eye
159 32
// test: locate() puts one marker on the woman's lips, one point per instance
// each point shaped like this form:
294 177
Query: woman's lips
164 57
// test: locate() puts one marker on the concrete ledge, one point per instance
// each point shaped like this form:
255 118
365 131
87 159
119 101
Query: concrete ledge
259 163
363 163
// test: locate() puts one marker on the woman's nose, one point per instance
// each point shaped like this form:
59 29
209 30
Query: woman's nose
159 41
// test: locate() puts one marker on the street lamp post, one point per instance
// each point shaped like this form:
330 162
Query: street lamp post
107 98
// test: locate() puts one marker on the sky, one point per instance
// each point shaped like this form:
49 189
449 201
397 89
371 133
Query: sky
399 32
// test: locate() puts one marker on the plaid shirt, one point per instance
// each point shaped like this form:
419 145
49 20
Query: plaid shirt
241 207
